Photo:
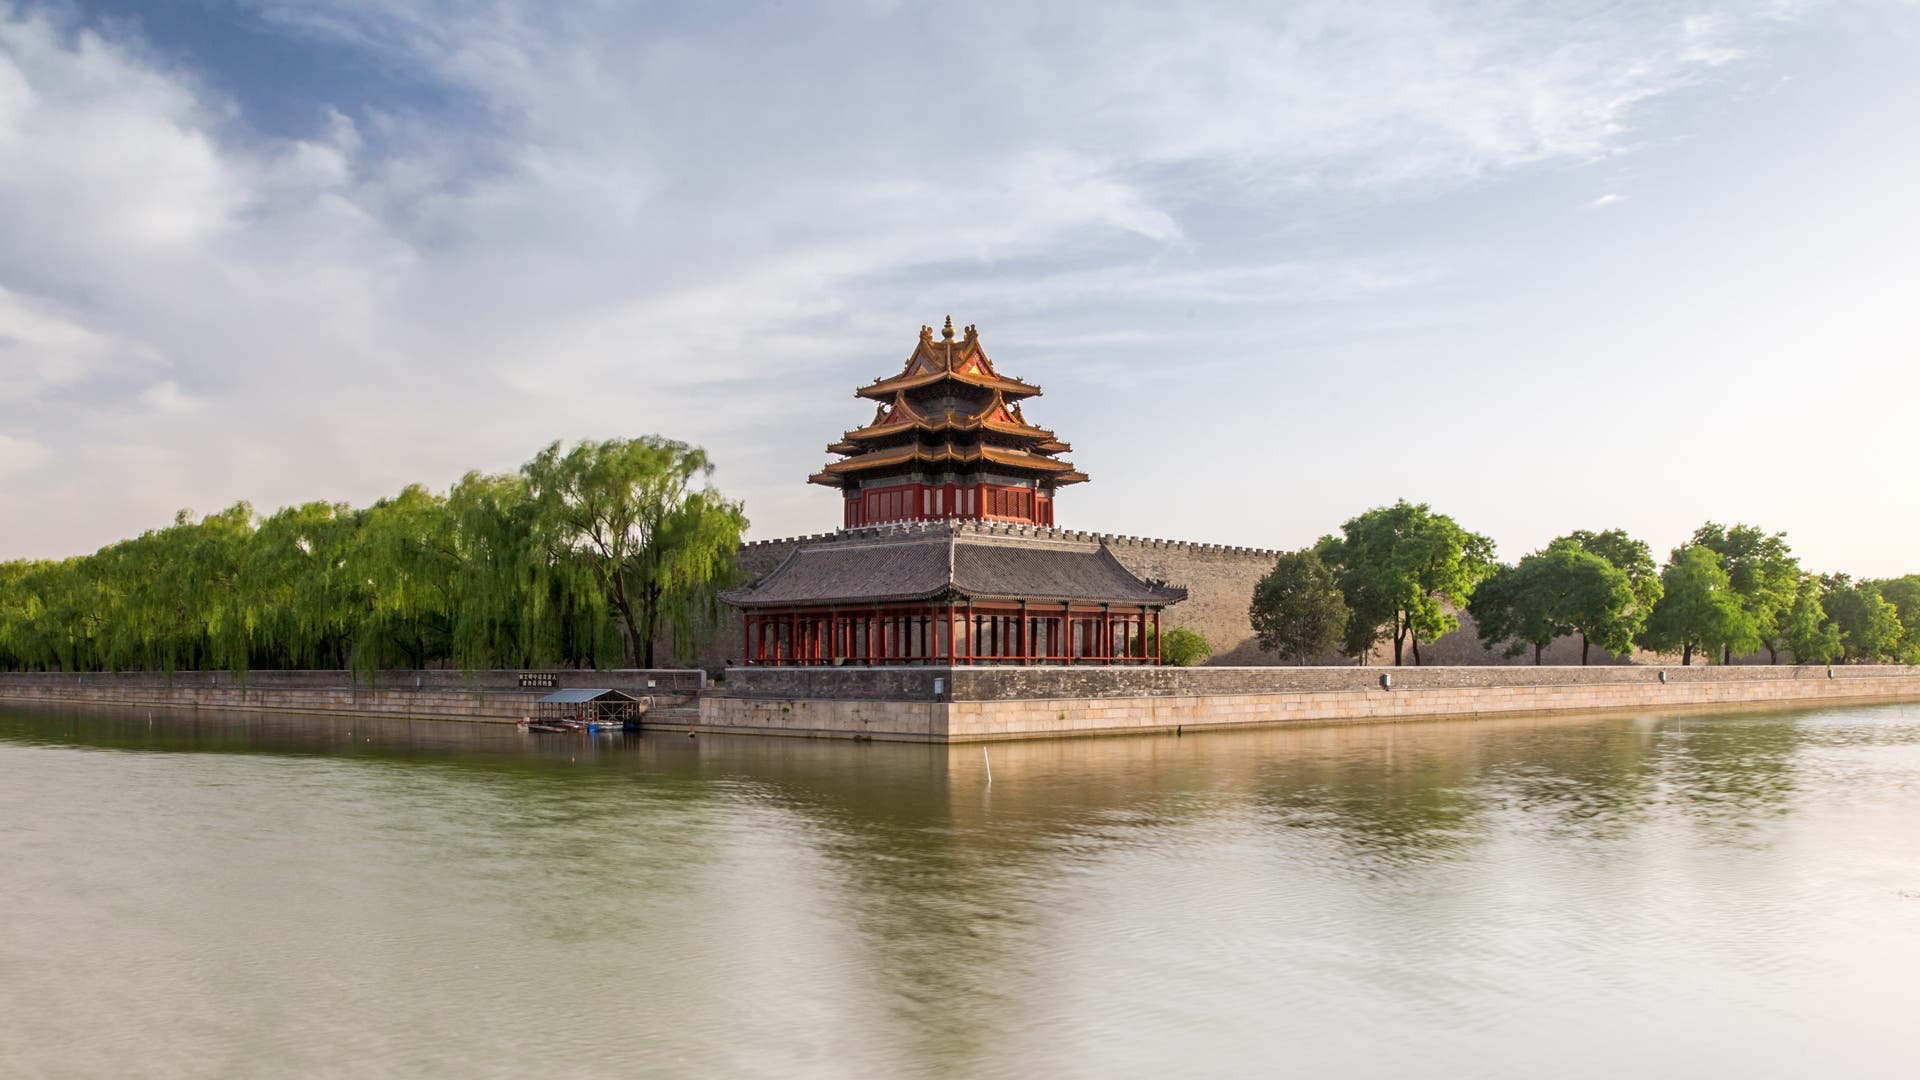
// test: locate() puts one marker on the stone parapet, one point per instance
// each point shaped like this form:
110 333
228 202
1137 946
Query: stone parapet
487 696
964 705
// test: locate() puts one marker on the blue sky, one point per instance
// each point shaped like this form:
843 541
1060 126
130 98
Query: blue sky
1546 266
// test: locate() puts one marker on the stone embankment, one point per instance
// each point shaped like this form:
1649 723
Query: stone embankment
484 696
975 704
948 705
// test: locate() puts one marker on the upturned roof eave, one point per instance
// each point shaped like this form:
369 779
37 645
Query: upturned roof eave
891 385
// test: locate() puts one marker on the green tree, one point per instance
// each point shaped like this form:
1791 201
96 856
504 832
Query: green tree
1763 573
1634 559
1508 608
1561 590
1807 631
629 510
1868 624
1297 609
1401 568
1904 594
1181 647
304 599
1698 609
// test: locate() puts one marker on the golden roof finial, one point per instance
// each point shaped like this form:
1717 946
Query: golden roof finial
947 331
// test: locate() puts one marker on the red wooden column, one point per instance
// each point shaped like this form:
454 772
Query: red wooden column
1156 636
972 632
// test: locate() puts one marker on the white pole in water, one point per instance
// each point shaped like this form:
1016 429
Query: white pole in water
989 761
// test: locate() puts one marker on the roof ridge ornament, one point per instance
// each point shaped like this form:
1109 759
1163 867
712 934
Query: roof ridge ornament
946 332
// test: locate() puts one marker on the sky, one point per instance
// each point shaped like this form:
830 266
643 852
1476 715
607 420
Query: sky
1542 265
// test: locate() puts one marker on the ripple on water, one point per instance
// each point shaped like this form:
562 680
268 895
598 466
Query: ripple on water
1587 896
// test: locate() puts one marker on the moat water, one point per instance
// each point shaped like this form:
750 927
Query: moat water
1607 896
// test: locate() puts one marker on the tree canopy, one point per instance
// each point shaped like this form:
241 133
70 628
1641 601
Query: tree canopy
502 570
1868 624
1699 609
1807 632
1904 594
1763 574
1561 590
1183 647
1401 568
1297 609
627 513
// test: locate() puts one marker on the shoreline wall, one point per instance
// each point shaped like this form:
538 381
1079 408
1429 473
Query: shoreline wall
439 694
955 705
982 704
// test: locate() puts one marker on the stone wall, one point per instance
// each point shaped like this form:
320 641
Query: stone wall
1219 581
1017 682
970 704
420 695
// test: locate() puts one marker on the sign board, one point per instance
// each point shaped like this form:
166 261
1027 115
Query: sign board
539 680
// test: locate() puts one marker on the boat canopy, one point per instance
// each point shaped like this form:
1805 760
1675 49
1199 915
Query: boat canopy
581 697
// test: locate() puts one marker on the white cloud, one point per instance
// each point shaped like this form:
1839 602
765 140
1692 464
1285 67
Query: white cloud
1609 199
637 224
20 455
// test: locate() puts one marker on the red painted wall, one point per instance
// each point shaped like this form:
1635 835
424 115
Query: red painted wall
917 502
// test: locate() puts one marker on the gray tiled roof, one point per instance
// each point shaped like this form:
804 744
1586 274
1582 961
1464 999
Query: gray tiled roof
942 563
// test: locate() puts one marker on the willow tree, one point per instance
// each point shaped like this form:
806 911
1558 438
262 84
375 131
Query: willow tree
304 599
641 518
173 598
497 573
405 551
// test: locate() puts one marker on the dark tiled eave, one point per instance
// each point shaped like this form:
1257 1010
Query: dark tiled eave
950 565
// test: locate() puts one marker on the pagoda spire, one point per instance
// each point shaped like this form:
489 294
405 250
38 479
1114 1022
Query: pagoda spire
948 440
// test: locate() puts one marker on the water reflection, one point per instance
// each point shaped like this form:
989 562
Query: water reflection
1486 897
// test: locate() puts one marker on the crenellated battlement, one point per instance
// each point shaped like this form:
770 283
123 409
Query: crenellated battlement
959 527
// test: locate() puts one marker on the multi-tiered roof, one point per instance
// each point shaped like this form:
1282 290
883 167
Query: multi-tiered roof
946 554
948 412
